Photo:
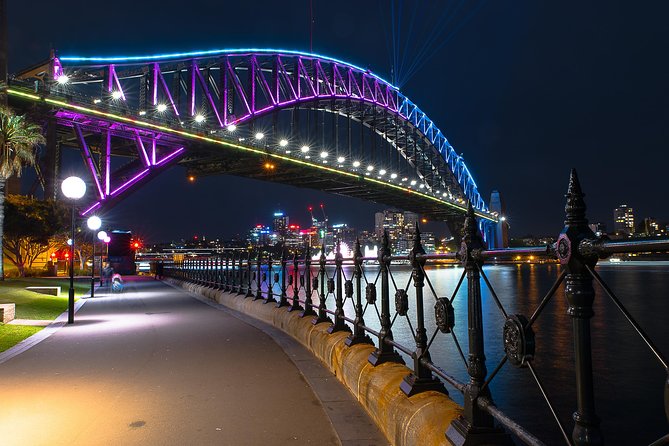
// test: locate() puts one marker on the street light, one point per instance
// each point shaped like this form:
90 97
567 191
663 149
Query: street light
94 224
73 188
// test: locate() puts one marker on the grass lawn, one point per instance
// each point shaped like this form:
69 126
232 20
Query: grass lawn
31 305
10 335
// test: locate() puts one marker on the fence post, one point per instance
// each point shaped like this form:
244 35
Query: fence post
249 293
359 336
283 299
385 352
322 314
270 281
308 301
227 271
240 275
295 304
475 426
421 378
339 323
580 295
258 276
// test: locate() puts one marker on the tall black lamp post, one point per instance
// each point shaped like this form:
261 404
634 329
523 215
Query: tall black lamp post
94 224
73 188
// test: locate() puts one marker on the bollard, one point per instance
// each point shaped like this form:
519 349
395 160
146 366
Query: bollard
421 378
385 352
359 336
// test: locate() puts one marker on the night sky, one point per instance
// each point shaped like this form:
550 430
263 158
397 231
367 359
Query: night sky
525 89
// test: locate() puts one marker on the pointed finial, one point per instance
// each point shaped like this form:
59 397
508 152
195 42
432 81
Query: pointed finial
469 228
575 207
385 242
417 245
357 250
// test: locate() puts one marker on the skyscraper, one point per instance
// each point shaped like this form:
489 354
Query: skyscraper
623 220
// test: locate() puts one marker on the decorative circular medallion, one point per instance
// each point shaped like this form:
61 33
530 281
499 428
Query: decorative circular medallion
444 314
348 288
518 340
370 293
401 302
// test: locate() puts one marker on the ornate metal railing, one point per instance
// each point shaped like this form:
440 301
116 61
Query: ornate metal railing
296 283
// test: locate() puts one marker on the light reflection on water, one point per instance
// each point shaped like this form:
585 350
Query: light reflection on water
628 380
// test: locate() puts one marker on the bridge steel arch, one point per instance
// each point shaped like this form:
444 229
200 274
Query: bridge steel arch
161 109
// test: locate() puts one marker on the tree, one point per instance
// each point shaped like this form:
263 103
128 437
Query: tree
18 139
32 227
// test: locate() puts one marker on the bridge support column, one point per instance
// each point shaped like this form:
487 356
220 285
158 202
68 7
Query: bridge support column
580 296
476 426
51 161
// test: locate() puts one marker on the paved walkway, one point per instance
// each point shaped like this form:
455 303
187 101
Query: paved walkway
155 366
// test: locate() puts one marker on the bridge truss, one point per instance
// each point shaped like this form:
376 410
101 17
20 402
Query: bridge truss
281 116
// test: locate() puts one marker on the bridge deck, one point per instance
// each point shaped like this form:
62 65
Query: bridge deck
156 366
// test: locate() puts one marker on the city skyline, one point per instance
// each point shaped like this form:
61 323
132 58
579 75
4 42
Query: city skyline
522 118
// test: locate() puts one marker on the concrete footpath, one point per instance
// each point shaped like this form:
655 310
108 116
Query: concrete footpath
155 366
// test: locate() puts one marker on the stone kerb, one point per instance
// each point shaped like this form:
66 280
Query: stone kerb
421 419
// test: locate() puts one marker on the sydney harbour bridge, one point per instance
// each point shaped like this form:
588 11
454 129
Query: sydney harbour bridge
276 115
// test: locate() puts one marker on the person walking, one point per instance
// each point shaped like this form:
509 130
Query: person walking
107 273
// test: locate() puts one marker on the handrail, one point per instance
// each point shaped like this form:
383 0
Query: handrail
577 249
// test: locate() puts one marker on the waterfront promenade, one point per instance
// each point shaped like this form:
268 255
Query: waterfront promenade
154 365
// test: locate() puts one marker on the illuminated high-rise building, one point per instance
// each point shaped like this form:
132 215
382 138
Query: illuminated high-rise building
623 220
280 223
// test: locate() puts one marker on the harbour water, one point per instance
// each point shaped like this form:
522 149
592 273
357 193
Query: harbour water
629 381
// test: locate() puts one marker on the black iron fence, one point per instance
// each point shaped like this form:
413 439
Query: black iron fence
297 283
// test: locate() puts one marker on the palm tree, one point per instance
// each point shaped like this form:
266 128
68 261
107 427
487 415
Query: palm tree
18 139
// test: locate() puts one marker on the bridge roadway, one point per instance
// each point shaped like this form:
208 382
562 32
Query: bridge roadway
156 366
